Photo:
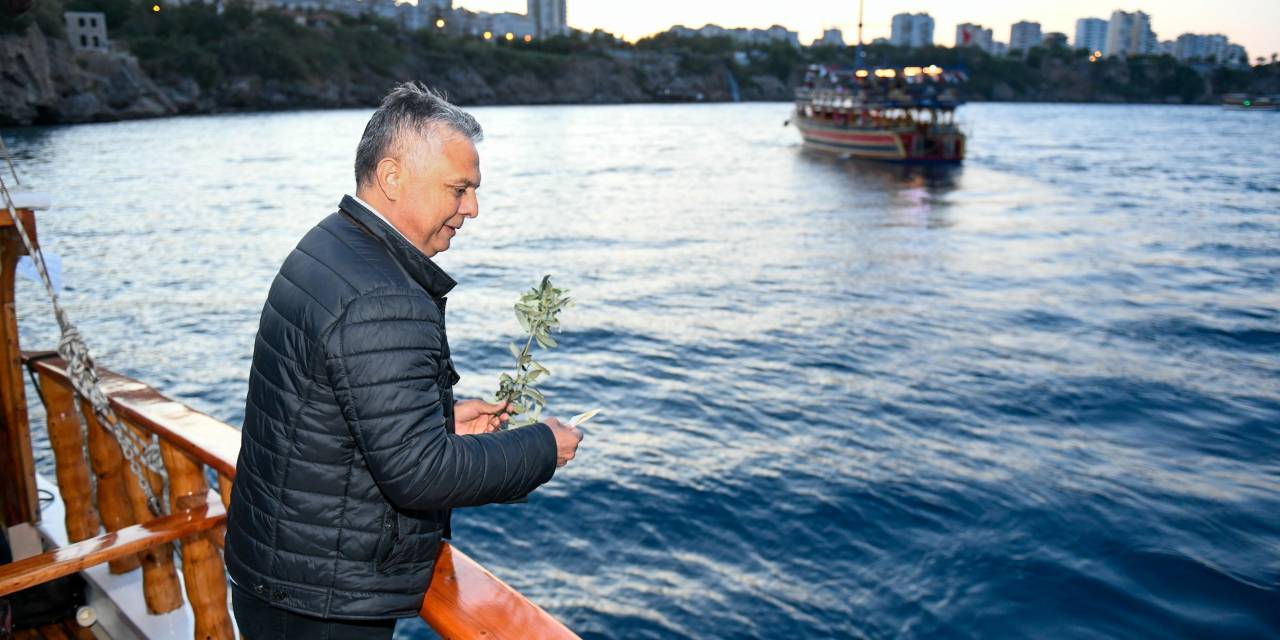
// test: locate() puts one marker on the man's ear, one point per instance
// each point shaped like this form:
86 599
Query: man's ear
389 178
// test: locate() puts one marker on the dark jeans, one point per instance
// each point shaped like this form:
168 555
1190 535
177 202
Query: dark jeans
261 621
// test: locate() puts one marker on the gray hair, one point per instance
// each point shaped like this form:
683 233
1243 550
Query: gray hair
411 107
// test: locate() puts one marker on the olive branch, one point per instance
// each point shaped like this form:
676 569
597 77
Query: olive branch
538 312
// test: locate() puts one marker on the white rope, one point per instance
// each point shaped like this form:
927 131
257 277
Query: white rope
83 374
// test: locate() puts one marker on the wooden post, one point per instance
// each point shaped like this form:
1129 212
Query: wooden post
224 490
160 584
72 468
202 567
113 500
18 501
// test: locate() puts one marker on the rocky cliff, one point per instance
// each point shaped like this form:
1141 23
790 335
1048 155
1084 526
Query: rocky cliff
43 81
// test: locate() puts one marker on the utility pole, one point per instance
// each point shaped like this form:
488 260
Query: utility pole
857 56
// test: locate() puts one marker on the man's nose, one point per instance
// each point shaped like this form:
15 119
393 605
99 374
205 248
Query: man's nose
470 206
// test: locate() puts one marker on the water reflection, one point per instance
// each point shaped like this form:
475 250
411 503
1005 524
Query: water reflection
916 193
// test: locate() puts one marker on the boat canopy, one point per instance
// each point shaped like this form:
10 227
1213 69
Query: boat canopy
928 87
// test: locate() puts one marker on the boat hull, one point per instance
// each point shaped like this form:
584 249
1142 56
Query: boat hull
886 145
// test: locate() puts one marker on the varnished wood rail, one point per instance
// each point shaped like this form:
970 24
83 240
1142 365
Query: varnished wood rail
128 541
465 600
208 440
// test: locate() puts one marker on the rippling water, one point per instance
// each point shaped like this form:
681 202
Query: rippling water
1037 396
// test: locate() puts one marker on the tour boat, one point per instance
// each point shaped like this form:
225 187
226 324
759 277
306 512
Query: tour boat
902 114
126 541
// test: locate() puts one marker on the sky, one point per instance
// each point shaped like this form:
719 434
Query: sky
1252 23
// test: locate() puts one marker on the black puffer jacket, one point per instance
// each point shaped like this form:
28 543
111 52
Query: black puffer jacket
349 465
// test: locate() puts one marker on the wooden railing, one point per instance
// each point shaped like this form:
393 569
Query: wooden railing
464 600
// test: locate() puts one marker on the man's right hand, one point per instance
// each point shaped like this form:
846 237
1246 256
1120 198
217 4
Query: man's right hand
567 439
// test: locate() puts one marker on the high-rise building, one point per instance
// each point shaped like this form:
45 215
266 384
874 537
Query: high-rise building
830 38
549 18
1091 34
973 35
912 30
1024 35
1130 34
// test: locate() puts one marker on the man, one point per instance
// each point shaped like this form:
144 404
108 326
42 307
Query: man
354 451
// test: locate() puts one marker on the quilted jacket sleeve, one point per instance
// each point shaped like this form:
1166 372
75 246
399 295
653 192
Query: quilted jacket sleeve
383 359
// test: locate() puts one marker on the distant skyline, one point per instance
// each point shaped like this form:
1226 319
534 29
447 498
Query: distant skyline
1255 24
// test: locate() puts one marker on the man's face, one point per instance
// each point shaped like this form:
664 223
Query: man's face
438 190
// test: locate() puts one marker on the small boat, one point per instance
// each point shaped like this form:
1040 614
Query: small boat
899 114
1248 102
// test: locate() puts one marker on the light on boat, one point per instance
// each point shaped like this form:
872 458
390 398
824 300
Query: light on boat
911 72
886 73
933 70
861 73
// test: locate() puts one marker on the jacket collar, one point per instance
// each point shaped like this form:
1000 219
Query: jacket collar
418 266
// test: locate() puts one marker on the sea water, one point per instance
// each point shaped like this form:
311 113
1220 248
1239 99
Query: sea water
1034 396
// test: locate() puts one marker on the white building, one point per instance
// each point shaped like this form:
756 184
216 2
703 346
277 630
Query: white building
1216 48
492 26
549 18
87 30
830 38
1130 34
912 30
973 35
1203 48
1091 34
1024 35
513 26
740 35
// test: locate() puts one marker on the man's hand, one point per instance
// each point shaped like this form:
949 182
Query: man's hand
471 417
567 439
